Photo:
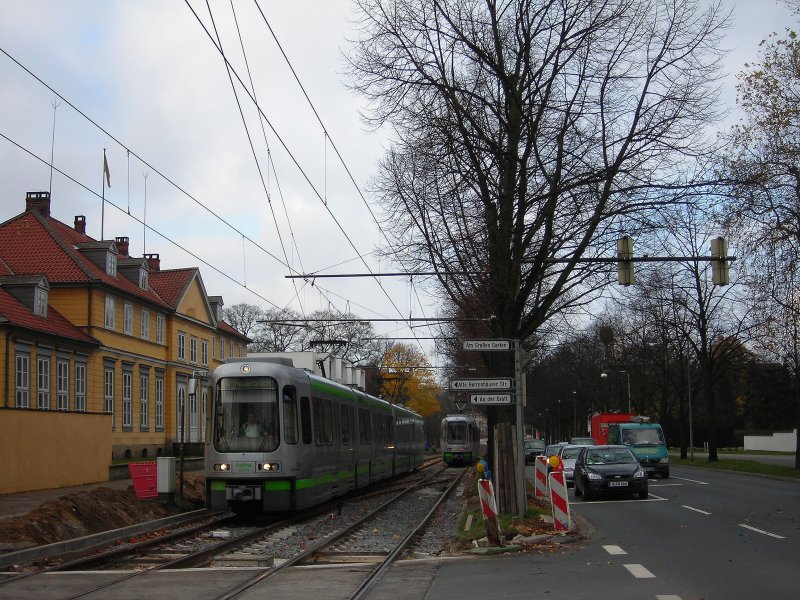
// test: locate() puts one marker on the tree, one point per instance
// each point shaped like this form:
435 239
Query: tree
406 378
243 317
764 171
527 135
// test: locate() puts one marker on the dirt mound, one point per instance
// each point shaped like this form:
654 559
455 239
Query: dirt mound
101 509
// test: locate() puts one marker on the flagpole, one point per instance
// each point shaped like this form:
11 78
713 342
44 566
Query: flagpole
103 197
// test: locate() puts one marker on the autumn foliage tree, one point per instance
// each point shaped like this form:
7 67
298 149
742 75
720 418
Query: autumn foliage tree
405 379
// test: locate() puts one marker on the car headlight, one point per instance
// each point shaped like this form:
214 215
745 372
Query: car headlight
640 472
664 460
594 476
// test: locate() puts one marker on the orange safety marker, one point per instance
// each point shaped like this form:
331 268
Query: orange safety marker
562 521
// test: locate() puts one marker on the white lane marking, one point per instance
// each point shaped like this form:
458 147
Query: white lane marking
692 480
651 498
639 571
775 535
659 485
663 597
614 550
702 512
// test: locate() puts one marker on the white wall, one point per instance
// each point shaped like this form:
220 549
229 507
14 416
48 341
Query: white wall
780 442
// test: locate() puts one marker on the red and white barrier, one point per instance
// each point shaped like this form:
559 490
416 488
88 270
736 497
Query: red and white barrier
560 501
489 509
540 477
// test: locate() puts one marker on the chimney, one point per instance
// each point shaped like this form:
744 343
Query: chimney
80 224
122 246
38 201
153 262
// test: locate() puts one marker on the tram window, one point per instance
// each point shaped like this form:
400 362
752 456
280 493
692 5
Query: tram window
305 419
289 415
328 421
316 405
364 425
344 423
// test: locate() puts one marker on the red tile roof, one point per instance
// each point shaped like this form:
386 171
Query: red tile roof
33 244
223 326
16 314
172 285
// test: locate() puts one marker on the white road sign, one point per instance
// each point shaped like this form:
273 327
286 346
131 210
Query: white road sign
480 384
486 345
490 399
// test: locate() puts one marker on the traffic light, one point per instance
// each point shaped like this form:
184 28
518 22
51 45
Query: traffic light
720 273
625 272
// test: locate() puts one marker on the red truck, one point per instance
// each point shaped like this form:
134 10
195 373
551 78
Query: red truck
645 439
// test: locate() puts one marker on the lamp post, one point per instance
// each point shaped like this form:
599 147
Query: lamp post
628 377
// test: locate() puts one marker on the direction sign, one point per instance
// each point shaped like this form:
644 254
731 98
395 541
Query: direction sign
480 384
490 399
486 345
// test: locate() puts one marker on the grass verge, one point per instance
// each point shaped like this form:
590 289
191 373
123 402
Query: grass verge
743 466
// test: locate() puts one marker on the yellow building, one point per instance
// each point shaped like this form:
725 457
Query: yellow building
116 335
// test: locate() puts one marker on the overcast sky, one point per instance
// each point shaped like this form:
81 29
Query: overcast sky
147 73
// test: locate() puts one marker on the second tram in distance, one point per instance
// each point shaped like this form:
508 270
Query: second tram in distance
460 440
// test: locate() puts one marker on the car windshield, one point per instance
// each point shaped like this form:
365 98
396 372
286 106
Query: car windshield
610 456
650 435
534 445
569 452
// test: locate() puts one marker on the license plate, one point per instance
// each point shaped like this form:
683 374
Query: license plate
617 484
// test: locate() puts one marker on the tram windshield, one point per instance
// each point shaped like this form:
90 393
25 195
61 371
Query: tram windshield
246 414
456 432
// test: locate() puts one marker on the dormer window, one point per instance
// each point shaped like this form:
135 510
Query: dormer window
143 278
111 264
40 302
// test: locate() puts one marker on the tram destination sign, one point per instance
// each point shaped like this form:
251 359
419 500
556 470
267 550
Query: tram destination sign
490 399
480 384
486 345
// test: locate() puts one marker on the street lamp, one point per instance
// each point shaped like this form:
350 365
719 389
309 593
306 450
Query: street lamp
628 376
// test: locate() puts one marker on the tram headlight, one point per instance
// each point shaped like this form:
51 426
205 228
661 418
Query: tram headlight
222 467
269 467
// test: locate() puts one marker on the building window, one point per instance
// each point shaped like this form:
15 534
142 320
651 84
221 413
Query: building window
111 318
40 302
214 347
160 329
204 353
144 401
193 350
127 318
241 350
43 382
62 384
160 402
231 350
127 400
80 387
23 380
108 393
145 328
111 264
221 349
143 278
181 346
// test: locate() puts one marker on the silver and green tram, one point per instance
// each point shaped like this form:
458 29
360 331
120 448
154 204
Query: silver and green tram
284 439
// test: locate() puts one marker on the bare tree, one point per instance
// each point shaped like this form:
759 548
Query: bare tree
529 134
243 317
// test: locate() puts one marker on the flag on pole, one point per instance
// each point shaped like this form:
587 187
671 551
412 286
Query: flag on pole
105 170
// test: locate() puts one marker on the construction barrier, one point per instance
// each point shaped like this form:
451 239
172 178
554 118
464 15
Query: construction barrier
540 477
489 509
144 477
560 501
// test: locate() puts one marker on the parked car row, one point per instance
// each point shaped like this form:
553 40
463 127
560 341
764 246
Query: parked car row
595 470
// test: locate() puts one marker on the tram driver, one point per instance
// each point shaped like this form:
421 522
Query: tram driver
252 428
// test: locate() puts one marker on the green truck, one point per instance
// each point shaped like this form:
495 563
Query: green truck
644 438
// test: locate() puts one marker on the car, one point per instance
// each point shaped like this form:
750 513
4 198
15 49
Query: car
553 450
533 448
582 441
609 470
568 455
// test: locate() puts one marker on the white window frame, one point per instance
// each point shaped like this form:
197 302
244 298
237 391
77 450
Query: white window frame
111 313
108 392
40 302
23 380
193 350
144 400
159 402
127 399
143 278
182 346
127 318
221 348
43 382
144 328
214 347
111 264
204 353
160 326
231 348
80 387
62 384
